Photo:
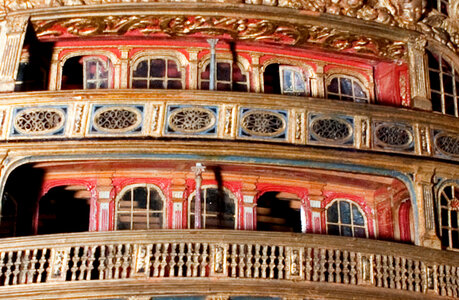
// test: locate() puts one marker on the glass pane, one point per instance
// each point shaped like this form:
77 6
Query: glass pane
359 232
141 70
448 84
449 105
345 212
433 62
446 68
333 87
172 69
346 86
91 69
299 83
223 87
455 239
206 74
237 74
333 97
174 84
454 220
436 101
91 85
156 84
444 218
157 68
156 221
127 195
344 98
240 87
358 218
224 71
204 85
103 84
332 213
124 221
287 78
346 231
213 201
358 91
156 203
445 237
434 78
140 198
139 84
333 229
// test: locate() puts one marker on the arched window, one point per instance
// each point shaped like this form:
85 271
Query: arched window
230 77
346 88
448 216
444 85
140 206
86 72
345 218
157 73
285 79
218 208
440 6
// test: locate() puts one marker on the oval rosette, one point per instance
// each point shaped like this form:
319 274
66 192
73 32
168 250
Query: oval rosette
263 123
39 121
117 119
191 119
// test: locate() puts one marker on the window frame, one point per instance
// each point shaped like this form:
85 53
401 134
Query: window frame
454 74
164 79
130 188
353 79
294 69
106 64
441 192
339 223
244 71
204 207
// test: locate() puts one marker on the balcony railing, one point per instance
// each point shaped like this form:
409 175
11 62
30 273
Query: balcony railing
226 254
229 116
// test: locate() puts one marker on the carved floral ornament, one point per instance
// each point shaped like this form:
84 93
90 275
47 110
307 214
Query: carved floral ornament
234 28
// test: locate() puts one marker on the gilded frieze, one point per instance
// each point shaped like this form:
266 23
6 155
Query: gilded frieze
240 29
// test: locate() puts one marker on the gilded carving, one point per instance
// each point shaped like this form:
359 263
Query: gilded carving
228 119
219 260
59 266
78 117
442 28
154 118
236 28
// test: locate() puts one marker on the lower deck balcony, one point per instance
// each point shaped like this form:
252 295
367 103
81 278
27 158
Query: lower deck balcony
222 263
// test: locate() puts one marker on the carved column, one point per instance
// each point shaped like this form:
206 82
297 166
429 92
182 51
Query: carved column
177 192
256 74
318 83
316 197
425 206
418 74
193 77
104 188
249 207
11 41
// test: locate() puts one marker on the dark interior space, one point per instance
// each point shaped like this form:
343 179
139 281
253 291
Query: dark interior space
276 212
271 79
72 74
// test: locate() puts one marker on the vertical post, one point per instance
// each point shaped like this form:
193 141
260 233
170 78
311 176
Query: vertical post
213 64
418 74
198 169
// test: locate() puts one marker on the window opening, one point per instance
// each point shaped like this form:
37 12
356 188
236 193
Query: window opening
271 81
278 211
140 207
440 5
64 209
218 209
157 73
345 218
448 215
444 85
230 77
346 89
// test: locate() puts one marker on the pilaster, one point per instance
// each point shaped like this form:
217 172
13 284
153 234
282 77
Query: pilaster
12 33
418 74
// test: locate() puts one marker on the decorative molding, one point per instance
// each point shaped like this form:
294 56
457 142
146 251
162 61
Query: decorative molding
241 29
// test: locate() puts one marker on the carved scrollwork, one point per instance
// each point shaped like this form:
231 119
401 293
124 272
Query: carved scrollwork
236 28
447 144
396 136
263 123
191 120
39 121
117 119
331 129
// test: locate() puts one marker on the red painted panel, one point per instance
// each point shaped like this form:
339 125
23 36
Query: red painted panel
404 221
385 221
392 84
